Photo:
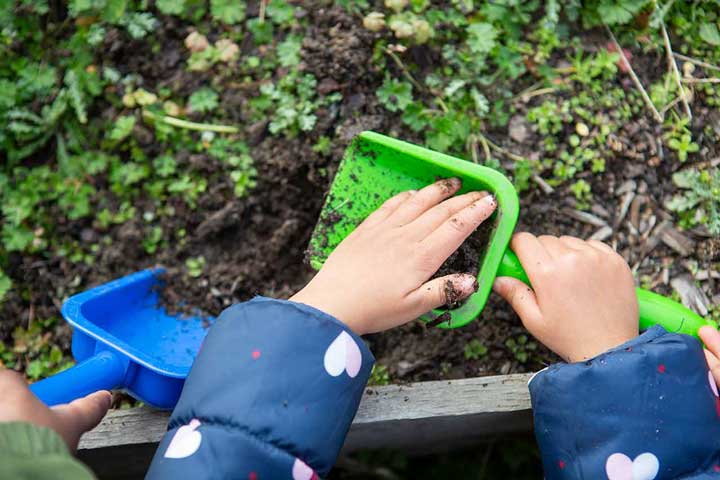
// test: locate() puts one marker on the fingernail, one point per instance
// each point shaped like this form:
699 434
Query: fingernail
481 194
487 200
469 284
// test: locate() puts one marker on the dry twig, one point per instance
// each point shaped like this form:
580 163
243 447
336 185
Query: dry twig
695 61
635 78
675 71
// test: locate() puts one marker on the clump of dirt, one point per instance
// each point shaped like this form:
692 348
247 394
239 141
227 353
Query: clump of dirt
466 259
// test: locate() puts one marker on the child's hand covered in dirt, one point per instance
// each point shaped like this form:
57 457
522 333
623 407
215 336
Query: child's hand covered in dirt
379 276
583 300
18 404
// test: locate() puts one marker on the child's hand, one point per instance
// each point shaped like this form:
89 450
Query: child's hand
18 404
377 278
584 300
711 339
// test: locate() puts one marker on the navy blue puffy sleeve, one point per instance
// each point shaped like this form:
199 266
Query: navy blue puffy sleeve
271 395
646 410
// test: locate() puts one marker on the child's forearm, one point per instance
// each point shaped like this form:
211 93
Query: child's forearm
271 395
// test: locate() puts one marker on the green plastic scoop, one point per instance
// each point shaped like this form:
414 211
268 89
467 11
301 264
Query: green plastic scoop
376 167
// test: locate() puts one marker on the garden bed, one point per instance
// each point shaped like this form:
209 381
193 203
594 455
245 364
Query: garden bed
202 137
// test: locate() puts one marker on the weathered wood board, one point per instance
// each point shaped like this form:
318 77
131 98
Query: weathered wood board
416 418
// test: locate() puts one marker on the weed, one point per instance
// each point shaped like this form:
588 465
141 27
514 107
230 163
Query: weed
227 11
582 192
152 240
395 95
195 266
39 356
203 100
379 375
679 138
323 146
5 285
699 201
474 350
521 347
291 103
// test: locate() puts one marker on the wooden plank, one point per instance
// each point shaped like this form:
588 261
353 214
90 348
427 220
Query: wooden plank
417 418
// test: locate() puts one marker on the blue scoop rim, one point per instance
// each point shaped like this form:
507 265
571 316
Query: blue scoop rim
73 314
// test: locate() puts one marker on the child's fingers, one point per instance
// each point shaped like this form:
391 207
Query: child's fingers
713 365
712 360
425 199
429 221
711 339
574 243
530 252
554 246
453 231
602 246
82 415
387 208
521 298
439 291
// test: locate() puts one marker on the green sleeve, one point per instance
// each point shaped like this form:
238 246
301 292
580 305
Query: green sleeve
29 452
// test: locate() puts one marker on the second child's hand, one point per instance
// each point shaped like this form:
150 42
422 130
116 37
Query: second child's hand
582 302
379 276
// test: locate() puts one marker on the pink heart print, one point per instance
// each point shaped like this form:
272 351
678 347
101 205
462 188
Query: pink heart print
342 355
301 471
186 441
619 467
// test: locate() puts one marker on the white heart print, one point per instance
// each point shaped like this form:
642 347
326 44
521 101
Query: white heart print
186 441
301 471
619 467
343 354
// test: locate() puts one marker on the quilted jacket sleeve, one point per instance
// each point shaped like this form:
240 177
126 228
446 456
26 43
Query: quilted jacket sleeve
643 411
271 395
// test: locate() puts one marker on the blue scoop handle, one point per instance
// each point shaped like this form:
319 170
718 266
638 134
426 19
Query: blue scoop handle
103 371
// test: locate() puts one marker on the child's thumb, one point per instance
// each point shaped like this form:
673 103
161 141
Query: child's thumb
521 298
81 415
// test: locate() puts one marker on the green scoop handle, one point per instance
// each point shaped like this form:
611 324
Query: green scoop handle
654 309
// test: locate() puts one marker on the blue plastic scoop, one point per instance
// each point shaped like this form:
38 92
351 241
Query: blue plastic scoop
123 339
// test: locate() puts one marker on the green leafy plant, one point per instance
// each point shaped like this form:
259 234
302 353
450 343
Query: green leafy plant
5 285
292 102
610 12
288 51
395 95
583 193
699 201
481 37
32 348
227 11
474 350
195 266
122 129
379 375
204 100
152 241
521 347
